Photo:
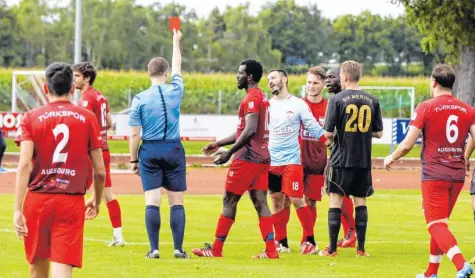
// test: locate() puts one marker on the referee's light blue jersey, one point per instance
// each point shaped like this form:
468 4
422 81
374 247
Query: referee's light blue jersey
157 110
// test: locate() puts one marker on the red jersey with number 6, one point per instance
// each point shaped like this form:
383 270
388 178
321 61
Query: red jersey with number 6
62 134
256 150
96 102
445 122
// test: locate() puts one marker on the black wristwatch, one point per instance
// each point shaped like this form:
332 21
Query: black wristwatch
134 161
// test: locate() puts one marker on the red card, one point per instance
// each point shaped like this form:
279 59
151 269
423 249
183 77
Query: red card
174 23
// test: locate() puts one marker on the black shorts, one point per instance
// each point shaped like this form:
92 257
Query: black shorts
356 182
275 183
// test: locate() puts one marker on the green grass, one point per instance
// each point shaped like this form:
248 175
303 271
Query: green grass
397 240
194 147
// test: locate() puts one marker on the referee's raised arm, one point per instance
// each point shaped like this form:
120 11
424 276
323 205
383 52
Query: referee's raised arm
160 160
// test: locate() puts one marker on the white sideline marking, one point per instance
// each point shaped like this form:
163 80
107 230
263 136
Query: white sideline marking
248 242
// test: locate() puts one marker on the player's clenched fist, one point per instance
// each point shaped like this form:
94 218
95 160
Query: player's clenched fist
92 209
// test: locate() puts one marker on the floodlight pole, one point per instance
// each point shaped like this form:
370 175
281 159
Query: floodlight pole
77 40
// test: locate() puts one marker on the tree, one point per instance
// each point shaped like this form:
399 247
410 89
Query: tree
452 22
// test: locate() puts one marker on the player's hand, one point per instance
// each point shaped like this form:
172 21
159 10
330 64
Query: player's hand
176 35
19 223
92 209
134 167
222 156
210 148
388 161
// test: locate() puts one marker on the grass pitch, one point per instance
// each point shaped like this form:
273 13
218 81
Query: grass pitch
397 240
194 147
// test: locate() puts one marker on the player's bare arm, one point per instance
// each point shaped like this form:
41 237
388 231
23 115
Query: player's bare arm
93 205
469 148
133 148
252 120
109 122
21 184
405 147
213 147
377 134
176 58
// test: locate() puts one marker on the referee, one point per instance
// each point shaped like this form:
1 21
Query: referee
160 161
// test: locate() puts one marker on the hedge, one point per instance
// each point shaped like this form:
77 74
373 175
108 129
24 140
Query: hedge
201 90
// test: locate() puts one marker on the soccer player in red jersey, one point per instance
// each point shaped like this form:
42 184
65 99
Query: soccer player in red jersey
249 168
93 100
313 151
333 84
444 122
57 141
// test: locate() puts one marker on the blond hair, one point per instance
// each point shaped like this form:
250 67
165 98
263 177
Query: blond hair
352 69
318 71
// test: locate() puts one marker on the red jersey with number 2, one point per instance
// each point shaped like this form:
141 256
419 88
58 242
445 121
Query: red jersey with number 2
62 134
96 102
445 122
256 150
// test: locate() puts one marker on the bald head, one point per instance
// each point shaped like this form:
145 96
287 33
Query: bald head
332 82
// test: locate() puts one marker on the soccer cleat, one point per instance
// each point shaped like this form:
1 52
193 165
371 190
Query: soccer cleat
117 242
308 249
266 255
350 240
423 276
362 254
207 251
466 271
181 255
153 255
325 253
339 242
281 248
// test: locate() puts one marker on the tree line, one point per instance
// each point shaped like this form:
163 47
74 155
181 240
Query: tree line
122 34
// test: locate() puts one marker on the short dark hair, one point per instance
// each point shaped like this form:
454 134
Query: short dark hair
444 75
87 70
253 67
157 66
59 77
281 71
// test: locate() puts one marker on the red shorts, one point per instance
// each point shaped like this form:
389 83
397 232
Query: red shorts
438 199
107 163
244 175
55 225
292 179
313 186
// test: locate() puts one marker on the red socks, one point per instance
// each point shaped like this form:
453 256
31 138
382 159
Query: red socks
281 219
222 231
313 211
305 217
434 259
447 243
267 232
114 214
347 219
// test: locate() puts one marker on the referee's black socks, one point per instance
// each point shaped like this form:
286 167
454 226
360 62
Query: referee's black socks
334 222
361 221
